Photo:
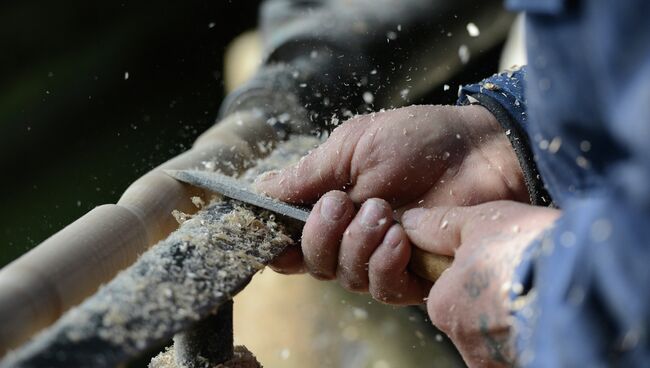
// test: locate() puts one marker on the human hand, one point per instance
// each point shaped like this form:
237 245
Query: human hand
418 156
469 302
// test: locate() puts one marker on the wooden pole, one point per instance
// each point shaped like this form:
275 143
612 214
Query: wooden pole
62 271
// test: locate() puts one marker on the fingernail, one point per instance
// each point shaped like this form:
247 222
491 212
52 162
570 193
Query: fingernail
331 208
393 237
371 213
411 218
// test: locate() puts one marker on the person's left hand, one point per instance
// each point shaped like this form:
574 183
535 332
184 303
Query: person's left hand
469 302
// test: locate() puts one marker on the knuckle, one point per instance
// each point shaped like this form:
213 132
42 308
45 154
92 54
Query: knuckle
386 294
435 308
381 270
355 123
362 236
440 316
318 265
342 130
444 314
351 277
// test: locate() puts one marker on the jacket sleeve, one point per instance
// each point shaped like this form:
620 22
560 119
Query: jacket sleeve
503 95
582 292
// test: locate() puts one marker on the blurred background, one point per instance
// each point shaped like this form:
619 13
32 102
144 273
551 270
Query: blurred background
95 94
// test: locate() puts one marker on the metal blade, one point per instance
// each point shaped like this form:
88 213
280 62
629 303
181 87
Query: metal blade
239 190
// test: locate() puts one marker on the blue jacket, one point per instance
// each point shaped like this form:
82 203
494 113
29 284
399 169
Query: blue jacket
583 121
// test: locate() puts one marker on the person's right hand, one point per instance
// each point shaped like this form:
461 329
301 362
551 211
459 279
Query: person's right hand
470 301
418 156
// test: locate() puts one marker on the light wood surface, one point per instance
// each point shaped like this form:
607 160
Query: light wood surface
59 273
427 265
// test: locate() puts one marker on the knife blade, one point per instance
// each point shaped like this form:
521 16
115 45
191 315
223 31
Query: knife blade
239 190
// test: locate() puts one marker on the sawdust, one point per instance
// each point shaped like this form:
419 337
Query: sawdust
198 202
242 359
217 250
287 153
178 282
180 216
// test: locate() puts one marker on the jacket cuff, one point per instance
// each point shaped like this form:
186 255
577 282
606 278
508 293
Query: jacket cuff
521 145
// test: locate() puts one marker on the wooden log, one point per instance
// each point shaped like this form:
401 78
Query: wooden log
69 266
179 282
36 288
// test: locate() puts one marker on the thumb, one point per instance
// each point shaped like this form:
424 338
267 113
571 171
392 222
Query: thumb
326 168
437 230
442 230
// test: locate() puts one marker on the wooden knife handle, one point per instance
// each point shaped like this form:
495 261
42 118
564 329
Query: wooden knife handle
428 265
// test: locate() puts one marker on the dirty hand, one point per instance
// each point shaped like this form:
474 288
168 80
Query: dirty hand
418 156
469 302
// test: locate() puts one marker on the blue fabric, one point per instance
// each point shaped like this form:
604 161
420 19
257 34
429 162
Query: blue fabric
587 116
505 88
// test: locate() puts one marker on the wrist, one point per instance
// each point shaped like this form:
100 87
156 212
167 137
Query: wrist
488 138
519 141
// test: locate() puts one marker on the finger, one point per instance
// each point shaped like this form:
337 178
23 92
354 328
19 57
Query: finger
289 262
460 299
443 303
323 231
360 239
437 230
324 169
390 280
441 230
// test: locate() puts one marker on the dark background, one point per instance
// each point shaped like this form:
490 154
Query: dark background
73 131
